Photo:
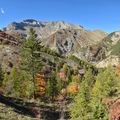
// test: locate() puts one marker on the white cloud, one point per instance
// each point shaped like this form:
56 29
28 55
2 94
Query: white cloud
2 11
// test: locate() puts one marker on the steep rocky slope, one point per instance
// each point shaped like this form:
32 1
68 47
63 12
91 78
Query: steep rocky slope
70 40
81 43
111 44
9 51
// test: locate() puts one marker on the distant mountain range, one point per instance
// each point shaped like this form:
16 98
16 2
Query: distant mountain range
94 46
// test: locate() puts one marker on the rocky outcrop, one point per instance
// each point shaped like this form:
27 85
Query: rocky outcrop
111 60
115 37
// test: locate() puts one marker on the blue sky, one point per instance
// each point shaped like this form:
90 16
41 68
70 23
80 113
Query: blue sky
92 14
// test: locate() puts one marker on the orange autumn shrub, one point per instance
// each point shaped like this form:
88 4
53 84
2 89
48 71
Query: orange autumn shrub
40 84
73 88
37 76
117 70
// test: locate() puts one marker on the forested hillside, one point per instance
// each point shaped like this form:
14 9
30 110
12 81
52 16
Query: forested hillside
37 82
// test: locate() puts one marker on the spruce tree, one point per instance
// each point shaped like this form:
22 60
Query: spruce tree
54 89
48 88
89 77
105 86
1 76
30 56
80 109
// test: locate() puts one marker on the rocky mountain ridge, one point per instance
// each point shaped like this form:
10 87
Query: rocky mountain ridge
67 39
43 28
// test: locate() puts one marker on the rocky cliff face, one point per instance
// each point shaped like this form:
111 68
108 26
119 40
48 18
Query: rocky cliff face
114 37
111 44
81 43
82 38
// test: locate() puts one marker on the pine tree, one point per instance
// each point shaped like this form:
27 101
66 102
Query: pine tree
48 88
22 84
88 104
1 76
98 111
54 89
65 68
59 83
80 110
76 78
105 86
89 78
30 56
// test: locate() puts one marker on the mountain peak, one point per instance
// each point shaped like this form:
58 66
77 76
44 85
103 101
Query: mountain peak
30 20
43 28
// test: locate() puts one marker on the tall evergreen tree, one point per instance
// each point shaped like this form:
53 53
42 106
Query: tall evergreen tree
88 104
54 89
30 56
48 88
65 68
1 76
22 83
89 77
105 86
80 110
52 86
